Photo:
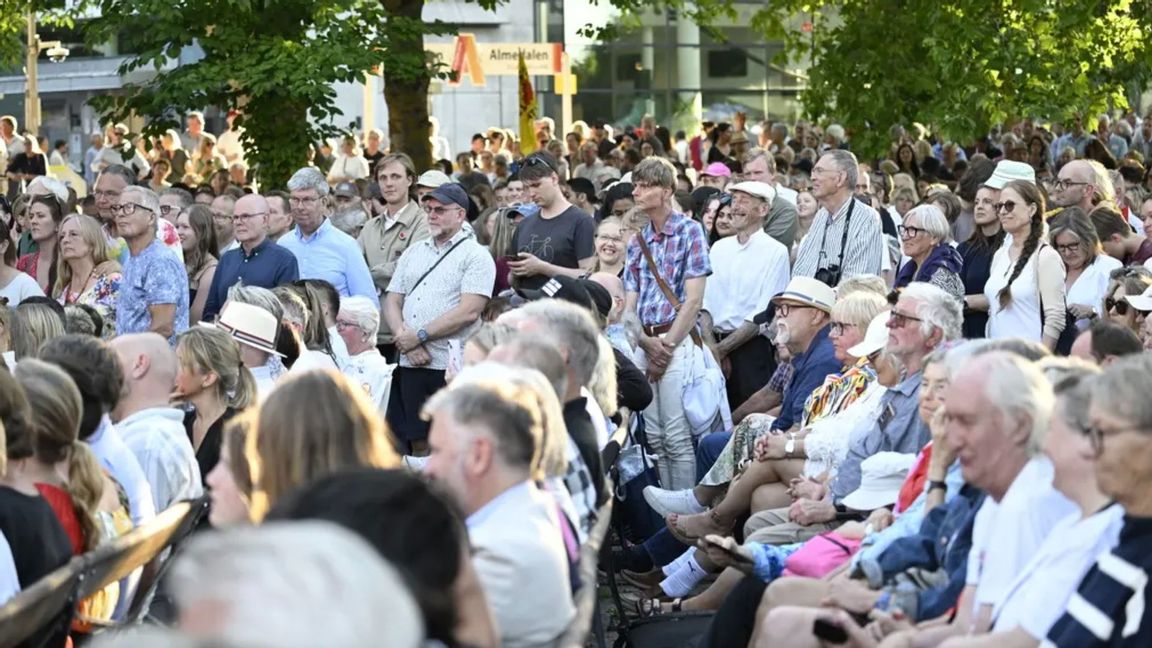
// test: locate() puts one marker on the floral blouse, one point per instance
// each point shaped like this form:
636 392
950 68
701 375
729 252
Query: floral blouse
102 296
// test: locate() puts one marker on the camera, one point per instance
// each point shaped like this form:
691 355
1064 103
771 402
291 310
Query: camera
829 275
57 54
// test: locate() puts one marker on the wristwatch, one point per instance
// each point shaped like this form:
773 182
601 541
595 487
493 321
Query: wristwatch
422 335
937 485
790 444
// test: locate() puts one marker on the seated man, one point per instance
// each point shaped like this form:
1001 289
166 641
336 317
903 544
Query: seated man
483 440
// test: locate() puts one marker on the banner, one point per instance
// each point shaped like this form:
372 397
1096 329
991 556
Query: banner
527 110
476 61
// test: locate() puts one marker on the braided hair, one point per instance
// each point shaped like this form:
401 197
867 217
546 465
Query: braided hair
1031 196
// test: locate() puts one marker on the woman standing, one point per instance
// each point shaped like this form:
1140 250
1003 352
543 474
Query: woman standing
207 161
15 286
976 253
349 166
1088 268
924 238
87 272
358 323
1025 289
213 380
44 216
610 247
197 234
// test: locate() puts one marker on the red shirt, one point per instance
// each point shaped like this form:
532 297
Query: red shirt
65 510
914 482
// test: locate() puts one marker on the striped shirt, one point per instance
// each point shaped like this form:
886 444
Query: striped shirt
1108 609
821 247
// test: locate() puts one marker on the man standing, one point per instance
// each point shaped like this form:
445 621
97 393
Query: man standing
95 144
590 162
322 251
223 207
153 429
674 256
1084 184
191 137
845 239
256 261
747 271
279 214
385 238
557 241
484 437
782 219
174 200
229 144
154 292
436 296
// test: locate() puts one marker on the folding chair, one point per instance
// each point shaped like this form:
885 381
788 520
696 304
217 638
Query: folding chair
587 618
41 615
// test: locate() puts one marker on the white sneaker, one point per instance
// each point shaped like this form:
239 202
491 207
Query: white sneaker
664 501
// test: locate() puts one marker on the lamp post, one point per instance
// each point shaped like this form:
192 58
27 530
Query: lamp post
56 53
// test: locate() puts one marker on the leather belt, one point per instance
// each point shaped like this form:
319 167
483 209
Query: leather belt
660 329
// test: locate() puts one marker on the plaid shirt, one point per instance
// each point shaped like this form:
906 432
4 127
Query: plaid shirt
680 251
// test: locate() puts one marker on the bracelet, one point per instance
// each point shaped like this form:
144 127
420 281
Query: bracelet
937 485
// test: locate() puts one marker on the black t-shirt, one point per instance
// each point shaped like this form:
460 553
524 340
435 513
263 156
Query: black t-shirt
373 160
583 433
209 453
39 544
561 241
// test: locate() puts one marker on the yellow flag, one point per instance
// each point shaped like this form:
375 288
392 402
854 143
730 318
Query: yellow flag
527 110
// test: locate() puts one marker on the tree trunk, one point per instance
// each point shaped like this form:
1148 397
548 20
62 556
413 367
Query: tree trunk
406 78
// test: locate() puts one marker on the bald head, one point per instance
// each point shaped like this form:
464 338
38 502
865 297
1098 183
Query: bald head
250 220
615 288
149 367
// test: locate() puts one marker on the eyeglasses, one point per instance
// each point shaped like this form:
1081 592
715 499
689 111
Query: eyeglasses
312 200
910 232
1006 207
345 324
613 239
1096 436
166 209
783 310
1065 184
240 217
1119 305
838 328
127 209
896 319
1067 248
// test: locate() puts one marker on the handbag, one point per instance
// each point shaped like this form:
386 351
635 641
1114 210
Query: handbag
820 555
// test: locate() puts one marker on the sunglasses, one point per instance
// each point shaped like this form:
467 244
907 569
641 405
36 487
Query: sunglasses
1006 207
533 160
1119 305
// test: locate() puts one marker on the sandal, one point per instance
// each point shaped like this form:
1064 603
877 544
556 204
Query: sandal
651 607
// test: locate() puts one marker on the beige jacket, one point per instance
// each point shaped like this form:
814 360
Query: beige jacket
382 248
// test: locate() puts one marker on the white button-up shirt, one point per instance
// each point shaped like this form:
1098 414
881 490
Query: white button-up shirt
744 278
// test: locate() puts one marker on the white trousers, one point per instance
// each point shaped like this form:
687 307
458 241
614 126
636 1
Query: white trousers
666 426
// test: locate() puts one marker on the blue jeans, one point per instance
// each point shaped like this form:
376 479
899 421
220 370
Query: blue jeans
708 451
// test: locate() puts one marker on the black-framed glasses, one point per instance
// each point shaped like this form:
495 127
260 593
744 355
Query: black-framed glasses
782 310
128 209
910 232
1067 248
896 319
1006 207
1119 305
1096 436
838 328
167 209
1064 184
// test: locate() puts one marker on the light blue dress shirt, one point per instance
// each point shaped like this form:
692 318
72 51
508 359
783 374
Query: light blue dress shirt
333 256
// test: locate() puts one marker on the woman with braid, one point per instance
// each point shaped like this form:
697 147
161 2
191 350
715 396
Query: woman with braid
1025 289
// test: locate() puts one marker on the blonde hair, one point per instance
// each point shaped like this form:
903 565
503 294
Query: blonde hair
54 412
603 382
212 350
313 424
859 308
102 259
34 324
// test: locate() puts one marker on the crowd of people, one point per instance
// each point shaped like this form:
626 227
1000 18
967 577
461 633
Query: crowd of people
890 402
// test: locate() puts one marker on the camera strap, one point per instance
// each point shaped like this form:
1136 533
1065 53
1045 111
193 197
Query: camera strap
843 237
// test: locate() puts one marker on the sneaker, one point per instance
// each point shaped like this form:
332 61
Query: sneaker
669 501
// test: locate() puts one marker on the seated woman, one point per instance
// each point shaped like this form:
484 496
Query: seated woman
358 323
1088 267
313 424
414 527
924 238
779 457
230 482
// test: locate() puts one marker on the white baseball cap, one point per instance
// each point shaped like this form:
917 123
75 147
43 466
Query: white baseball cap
875 338
761 190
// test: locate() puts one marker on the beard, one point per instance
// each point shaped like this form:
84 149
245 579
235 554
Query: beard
783 334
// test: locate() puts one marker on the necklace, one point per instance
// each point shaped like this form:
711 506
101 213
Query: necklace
74 294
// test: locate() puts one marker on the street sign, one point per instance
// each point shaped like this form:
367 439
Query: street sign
476 61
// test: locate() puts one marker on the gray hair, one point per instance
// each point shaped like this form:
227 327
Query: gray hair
937 310
1123 390
1070 385
836 132
184 196
755 154
1105 190
846 162
349 221
603 381
51 185
862 283
932 221
363 312
859 308
257 296
309 178
146 197
338 592
780 128
540 355
655 170
1017 388
571 327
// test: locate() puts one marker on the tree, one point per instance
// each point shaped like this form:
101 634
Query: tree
276 60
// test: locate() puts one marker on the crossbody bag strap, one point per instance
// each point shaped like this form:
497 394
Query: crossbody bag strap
664 287
442 257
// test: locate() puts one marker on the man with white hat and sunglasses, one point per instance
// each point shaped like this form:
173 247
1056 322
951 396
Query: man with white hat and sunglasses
747 271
